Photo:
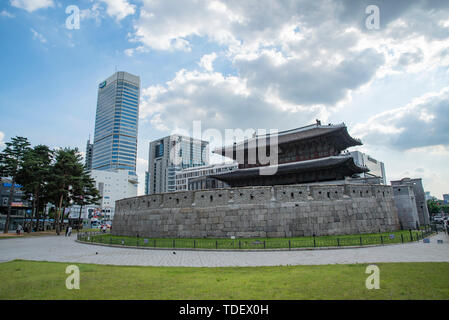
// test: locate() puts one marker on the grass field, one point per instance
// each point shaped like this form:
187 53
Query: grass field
261 243
46 280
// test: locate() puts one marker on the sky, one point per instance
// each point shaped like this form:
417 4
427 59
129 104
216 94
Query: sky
252 64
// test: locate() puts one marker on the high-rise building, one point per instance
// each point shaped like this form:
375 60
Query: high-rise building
115 139
147 182
170 154
446 198
196 178
376 168
89 149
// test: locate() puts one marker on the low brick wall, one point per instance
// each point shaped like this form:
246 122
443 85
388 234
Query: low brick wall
279 211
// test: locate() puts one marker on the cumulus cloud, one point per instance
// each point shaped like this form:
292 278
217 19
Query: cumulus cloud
7 14
294 60
119 9
207 60
218 101
421 125
31 5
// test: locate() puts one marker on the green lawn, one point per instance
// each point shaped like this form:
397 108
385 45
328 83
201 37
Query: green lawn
261 243
46 280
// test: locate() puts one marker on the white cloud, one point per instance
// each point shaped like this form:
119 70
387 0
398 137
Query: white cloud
32 5
422 125
38 36
7 14
207 60
119 9
2 136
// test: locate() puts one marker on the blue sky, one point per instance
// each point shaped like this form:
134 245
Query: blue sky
233 64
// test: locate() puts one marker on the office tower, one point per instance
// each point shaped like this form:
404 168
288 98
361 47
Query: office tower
115 140
88 160
170 154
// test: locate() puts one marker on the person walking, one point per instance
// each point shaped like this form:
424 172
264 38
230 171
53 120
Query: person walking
66 230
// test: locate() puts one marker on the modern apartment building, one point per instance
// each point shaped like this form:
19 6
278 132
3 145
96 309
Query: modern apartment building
170 154
115 139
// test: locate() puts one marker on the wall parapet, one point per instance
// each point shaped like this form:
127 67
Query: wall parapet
254 195
278 211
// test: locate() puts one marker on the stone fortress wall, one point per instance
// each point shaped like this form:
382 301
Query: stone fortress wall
278 211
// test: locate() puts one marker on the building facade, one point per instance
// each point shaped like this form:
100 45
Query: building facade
171 154
376 168
446 198
89 153
192 178
20 207
115 139
113 186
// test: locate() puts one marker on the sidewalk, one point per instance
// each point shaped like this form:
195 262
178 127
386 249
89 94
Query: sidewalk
65 249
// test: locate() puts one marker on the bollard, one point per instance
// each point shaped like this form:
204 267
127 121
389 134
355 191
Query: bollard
381 239
289 245
338 242
314 241
194 244
361 243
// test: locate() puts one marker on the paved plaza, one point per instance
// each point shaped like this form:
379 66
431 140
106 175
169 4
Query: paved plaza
65 249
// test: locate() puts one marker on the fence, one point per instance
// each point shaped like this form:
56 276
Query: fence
246 244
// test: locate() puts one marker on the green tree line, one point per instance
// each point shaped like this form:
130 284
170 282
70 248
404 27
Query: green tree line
46 176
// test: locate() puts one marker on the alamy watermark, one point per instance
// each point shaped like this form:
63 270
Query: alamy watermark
372 21
73 20
373 280
257 147
73 280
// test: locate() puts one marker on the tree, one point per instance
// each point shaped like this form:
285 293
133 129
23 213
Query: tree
66 174
433 207
11 161
85 193
34 176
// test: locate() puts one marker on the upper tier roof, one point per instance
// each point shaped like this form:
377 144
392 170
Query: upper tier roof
296 135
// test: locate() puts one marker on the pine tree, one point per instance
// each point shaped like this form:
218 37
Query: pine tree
11 162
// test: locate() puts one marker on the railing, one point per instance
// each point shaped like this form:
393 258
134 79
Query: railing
261 244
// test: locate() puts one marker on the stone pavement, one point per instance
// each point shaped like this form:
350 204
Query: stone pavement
65 249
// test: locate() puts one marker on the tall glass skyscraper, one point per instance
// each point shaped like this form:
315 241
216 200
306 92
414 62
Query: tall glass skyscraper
115 139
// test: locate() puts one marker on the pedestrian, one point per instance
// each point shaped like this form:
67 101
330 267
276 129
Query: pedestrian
69 231
66 230
19 228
